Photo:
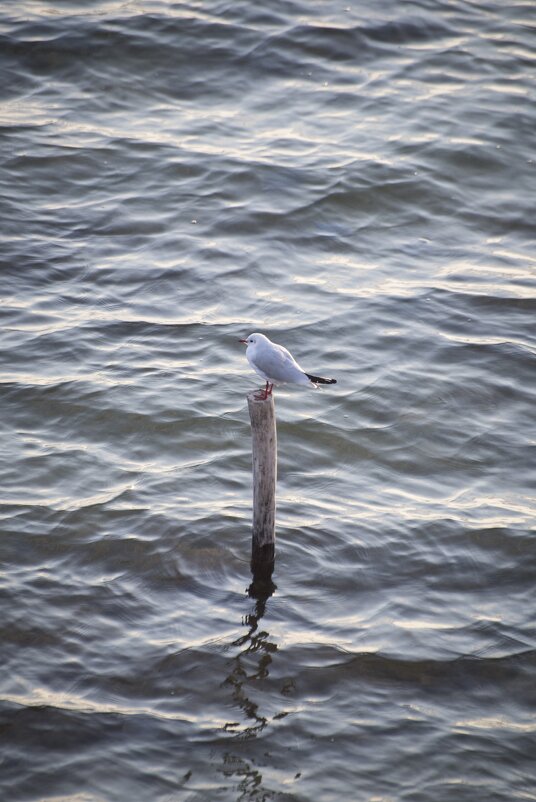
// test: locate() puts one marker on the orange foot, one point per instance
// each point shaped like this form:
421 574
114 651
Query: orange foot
265 393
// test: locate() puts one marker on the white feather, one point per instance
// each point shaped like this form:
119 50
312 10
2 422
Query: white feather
273 363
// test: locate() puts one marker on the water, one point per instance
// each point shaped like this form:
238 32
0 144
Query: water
356 181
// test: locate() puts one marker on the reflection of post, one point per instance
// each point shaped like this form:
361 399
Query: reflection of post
251 665
264 441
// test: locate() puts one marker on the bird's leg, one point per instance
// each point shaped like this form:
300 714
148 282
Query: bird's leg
264 393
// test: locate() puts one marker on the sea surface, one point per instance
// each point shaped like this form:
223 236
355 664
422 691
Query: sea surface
358 182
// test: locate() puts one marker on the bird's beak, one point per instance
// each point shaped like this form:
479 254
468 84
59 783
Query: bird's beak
243 341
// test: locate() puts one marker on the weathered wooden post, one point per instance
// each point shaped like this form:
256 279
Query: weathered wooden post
264 442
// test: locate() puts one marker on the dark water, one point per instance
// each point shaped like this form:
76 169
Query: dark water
356 181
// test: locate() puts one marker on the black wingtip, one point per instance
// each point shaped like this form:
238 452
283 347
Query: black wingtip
320 379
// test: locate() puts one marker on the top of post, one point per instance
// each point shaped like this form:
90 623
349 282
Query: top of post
254 397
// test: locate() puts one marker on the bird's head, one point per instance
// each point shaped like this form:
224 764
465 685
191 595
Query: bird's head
253 339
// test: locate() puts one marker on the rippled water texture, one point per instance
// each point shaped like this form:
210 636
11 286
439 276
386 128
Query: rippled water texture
357 182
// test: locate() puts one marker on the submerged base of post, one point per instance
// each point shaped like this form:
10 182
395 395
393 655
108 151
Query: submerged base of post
264 442
263 561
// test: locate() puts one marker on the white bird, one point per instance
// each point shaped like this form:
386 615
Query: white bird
276 365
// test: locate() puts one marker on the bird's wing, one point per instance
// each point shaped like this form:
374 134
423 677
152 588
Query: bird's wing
278 364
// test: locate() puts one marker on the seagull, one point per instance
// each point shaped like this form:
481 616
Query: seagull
276 365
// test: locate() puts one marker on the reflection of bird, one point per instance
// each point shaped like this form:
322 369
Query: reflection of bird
276 365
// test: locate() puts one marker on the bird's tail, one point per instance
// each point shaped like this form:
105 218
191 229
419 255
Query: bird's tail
320 380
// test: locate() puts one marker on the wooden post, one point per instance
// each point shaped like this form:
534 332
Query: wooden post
264 441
